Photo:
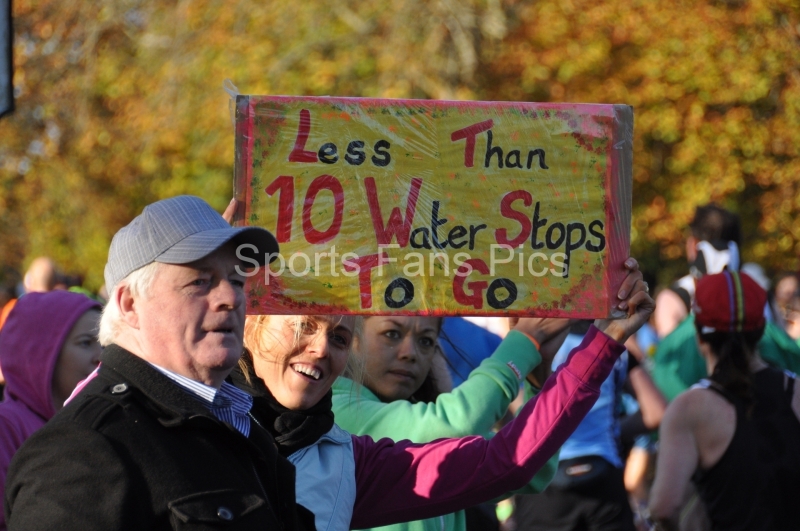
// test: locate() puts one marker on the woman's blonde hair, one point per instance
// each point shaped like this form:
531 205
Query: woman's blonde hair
256 342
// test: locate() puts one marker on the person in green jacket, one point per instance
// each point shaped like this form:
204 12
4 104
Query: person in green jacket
678 364
713 247
402 399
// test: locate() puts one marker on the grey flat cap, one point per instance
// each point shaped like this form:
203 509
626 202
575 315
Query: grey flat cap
179 230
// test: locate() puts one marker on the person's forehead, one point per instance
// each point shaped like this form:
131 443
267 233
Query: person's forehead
337 321
89 321
417 324
225 256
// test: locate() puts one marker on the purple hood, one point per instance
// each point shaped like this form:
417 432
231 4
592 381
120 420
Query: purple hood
30 342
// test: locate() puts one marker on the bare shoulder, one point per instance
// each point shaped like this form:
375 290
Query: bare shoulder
712 421
697 407
694 399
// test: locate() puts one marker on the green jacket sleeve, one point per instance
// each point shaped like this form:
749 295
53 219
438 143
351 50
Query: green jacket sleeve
471 408
677 364
778 349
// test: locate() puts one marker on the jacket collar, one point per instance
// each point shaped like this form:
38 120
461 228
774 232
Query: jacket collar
158 388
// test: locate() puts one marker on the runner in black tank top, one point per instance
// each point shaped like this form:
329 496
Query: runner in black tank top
779 440
765 452
751 454
732 488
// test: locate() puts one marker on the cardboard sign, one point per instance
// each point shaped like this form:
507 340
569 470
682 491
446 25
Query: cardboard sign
434 207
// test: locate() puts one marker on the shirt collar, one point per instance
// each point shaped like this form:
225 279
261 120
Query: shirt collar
228 403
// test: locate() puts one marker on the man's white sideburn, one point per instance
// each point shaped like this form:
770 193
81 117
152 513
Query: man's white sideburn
139 283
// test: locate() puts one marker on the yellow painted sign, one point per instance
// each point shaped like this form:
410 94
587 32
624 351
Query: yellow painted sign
435 207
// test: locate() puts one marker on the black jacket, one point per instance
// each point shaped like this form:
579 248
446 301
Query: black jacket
134 451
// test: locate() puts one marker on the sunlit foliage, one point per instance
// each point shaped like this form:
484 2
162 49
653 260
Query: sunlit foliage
120 102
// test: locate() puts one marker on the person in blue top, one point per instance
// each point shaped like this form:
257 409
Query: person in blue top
465 346
588 490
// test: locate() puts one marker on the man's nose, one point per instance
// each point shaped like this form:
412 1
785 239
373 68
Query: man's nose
228 295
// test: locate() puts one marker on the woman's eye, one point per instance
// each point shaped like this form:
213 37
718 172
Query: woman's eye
427 342
392 334
339 339
308 327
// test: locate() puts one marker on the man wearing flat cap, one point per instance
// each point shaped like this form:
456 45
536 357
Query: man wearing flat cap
155 438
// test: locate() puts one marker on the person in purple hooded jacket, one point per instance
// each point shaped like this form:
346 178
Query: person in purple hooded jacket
48 345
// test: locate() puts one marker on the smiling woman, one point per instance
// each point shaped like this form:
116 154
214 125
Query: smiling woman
298 357
354 482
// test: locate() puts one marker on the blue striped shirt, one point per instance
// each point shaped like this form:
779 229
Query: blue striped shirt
228 404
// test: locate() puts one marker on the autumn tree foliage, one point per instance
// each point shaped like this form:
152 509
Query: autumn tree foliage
715 88
120 103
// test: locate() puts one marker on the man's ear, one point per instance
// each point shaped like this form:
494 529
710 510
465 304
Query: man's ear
127 307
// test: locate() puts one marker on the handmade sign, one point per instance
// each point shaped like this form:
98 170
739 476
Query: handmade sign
435 207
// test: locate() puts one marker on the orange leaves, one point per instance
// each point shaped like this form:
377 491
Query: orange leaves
131 106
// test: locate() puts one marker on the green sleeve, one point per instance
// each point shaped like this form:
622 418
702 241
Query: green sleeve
677 364
471 408
778 349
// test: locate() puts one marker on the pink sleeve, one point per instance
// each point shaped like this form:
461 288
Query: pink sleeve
397 482
83 383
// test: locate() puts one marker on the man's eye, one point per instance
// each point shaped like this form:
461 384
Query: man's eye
392 334
199 282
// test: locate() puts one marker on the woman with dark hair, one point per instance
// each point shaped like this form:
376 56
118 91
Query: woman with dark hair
736 434
406 394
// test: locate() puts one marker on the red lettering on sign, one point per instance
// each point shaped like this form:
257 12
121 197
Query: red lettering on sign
397 226
299 154
501 235
284 184
364 265
323 182
469 133
477 287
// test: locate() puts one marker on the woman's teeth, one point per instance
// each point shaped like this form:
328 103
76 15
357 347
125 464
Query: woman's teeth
308 371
